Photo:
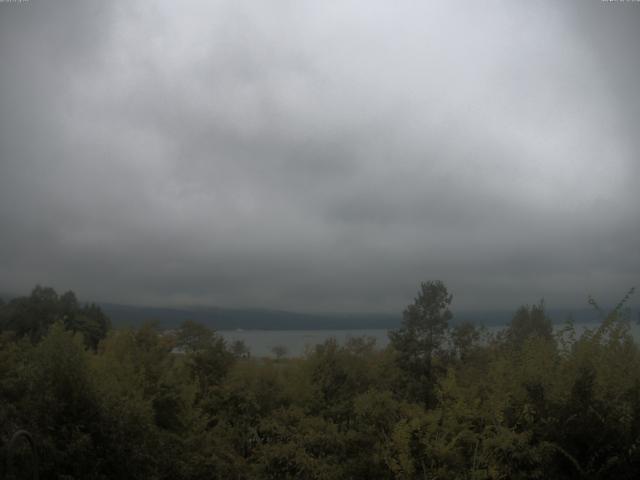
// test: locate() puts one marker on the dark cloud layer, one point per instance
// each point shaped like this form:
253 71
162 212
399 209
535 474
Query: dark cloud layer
320 156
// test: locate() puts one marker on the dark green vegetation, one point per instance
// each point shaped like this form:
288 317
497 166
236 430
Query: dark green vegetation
438 403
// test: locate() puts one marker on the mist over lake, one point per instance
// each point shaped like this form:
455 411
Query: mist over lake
298 342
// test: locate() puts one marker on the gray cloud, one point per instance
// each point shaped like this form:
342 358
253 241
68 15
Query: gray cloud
320 157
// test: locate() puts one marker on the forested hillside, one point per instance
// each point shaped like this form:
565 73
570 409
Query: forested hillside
440 402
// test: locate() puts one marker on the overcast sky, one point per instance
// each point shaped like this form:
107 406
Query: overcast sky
320 155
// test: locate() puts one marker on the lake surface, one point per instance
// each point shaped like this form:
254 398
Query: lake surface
261 342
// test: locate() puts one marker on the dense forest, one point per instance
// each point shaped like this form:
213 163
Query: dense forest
440 402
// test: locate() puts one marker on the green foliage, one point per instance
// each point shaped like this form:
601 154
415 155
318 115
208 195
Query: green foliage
240 349
425 323
32 316
527 322
142 403
465 339
206 354
279 351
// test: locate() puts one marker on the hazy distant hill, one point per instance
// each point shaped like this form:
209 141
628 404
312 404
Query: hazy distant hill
247 319
231 319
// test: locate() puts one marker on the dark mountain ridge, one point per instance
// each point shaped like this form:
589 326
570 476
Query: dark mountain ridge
263 319
260 319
